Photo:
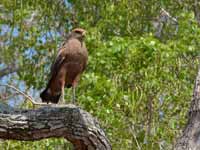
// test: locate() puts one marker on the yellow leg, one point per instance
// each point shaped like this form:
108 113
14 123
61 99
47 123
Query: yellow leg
74 84
63 94
73 95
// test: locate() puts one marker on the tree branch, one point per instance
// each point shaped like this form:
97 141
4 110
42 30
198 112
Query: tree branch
196 8
69 121
190 138
164 18
25 95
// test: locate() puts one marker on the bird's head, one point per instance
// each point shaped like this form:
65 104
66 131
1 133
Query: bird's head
78 33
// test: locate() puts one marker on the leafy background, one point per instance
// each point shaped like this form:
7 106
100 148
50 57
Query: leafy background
138 86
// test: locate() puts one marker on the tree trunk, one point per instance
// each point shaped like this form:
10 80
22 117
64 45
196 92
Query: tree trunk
197 11
190 138
69 121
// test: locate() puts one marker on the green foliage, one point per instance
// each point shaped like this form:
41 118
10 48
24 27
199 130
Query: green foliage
129 75
137 86
48 144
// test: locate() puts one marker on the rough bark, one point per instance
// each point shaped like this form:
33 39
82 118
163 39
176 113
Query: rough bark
190 138
197 11
69 121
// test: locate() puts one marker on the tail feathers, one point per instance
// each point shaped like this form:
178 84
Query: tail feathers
47 97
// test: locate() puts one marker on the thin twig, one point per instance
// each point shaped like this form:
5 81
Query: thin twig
135 138
132 129
23 94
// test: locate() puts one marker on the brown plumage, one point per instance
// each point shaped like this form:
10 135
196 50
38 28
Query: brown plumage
70 62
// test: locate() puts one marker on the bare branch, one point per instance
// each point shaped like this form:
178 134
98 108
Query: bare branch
190 138
24 94
164 18
69 122
196 8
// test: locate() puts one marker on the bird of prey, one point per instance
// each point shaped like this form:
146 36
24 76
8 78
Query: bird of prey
70 62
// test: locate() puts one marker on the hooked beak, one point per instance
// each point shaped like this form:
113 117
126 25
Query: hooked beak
83 33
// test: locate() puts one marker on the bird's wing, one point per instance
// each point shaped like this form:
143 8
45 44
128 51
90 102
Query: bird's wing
58 61
68 53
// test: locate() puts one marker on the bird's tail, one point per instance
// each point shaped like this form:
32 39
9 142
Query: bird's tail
47 97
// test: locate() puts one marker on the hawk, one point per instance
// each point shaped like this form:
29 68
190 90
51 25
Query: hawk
69 64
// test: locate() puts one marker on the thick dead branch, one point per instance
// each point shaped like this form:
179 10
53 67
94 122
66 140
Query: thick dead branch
69 121
163 19
190 138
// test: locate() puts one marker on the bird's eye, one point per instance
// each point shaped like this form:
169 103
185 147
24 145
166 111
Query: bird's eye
79 32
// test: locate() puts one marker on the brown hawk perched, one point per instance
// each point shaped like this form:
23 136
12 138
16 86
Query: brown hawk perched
70 62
